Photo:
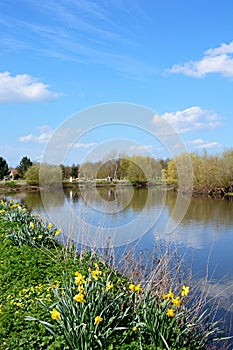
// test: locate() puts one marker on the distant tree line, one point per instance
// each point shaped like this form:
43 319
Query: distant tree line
209 171
134 168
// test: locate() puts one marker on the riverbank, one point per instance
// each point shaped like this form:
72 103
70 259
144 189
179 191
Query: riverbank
22 186
59 277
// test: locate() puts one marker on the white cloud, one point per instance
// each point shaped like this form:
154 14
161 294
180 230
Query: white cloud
84 145
43 137
201 144
141 148
191 119
217 60
23 88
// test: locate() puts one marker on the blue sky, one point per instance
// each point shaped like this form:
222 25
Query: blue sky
58 58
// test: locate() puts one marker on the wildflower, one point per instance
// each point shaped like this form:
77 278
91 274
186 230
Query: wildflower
176 301
58 232
50 225
15 205
185 291
81 289
98 319
95 274
40 236
170 313
134 288
79 278
109 286
32 225
56 315
134 329
169 295
79 298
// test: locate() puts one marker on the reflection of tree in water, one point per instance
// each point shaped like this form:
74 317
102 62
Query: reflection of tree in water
204 209
53 199
147 197
135 199
108 194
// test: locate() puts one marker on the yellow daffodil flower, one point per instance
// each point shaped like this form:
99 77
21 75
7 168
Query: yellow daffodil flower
98 319
169 295
185 291
170 313
176 301
109 286
79 278
32 225
58 232
95 274
79 298
56 315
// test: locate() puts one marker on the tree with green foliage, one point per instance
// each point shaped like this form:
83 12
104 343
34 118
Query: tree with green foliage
74 171
44 175
24 164
4 169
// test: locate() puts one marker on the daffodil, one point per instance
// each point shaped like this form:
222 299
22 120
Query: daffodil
170 313
185 291
137 288
79 278
98 319
132 287
169 295
50 225
95 274
79 298
176 301
134 329
58 232
32 225
56 315
109 286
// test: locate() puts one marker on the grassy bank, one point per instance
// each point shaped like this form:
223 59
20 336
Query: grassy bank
52 297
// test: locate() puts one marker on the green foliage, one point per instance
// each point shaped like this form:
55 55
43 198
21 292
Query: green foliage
74 171
28 229
24 165
44 175
94 310
209 171
4 169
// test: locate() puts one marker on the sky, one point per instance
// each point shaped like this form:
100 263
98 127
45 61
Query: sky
60 58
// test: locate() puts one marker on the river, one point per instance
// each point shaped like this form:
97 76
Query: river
127 217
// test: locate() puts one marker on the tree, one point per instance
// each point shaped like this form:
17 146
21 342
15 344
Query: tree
4 169
74 171
44 174
24 165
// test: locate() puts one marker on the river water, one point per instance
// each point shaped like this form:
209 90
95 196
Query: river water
127 217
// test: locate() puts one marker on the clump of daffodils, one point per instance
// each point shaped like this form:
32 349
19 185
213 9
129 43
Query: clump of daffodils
174 301
29 229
